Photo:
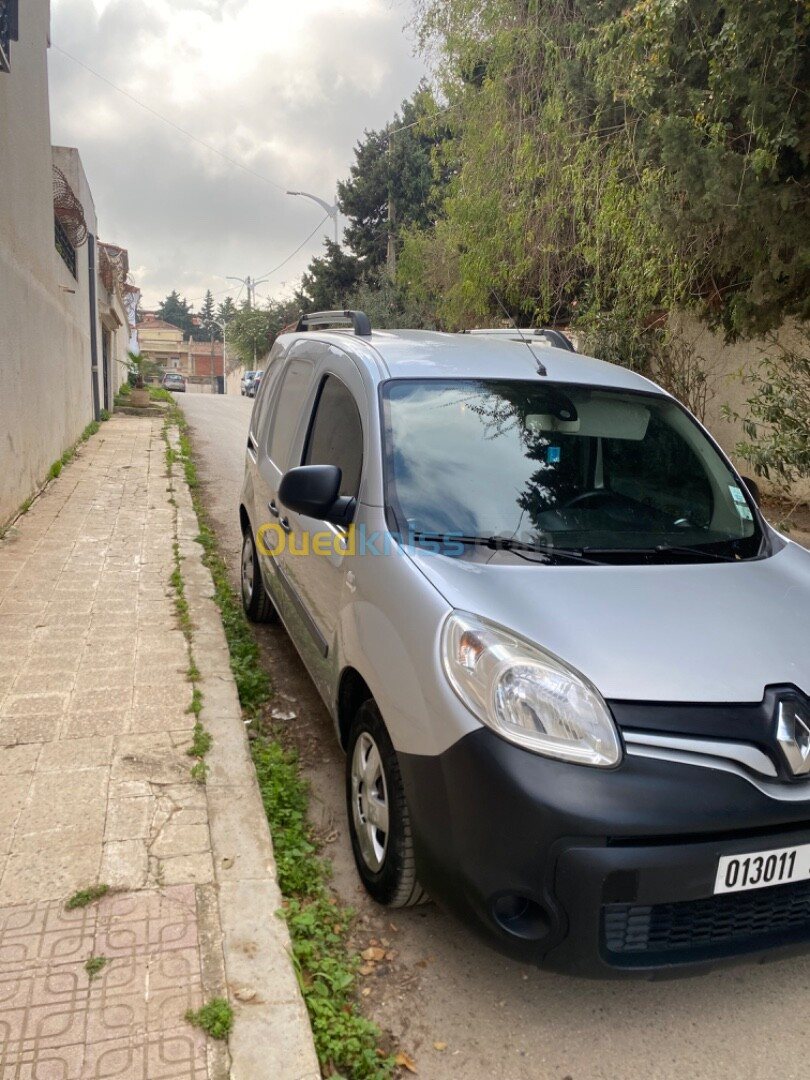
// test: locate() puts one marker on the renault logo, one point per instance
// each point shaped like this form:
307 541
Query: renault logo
793 735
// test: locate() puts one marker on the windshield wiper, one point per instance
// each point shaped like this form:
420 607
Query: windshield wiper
663 549
506 543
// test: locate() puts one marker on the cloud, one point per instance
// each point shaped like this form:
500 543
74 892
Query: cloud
285 87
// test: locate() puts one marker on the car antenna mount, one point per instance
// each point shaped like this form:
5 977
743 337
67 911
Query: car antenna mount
541 367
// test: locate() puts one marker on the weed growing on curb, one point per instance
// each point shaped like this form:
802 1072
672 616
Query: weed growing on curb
54 470
94 965
86 896
104 414
199 772
200 742
91 429
196 702
215 1018
346 1042
201 739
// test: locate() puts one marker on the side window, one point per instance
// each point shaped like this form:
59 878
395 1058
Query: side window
265 396
290 401
336 434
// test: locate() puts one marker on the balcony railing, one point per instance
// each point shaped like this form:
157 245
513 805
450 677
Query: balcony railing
64 246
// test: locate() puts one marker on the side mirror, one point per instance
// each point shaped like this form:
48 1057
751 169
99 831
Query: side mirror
314 491
753 488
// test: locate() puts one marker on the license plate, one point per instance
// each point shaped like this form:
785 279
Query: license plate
762 868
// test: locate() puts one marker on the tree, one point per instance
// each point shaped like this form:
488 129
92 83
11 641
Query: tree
329 281
226 311
624 157
208 318
396 163
176 310
252 331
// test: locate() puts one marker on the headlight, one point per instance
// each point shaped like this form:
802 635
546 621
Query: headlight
527 695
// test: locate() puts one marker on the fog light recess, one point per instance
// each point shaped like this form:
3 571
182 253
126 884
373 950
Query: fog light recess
520 916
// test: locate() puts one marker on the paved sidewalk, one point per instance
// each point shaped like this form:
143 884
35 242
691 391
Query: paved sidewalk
95 787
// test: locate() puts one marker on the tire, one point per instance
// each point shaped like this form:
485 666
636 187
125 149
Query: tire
256 604
383 849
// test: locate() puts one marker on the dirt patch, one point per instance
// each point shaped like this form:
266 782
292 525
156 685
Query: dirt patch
790 518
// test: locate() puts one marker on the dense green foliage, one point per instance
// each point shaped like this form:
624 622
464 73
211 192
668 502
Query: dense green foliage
251 331
623 157
345 1040
778 420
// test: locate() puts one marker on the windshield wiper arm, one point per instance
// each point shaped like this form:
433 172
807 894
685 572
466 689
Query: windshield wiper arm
507 543
663 549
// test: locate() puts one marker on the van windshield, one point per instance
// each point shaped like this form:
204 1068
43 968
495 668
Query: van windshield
560 465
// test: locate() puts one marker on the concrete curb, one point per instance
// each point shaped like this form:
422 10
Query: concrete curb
271 1035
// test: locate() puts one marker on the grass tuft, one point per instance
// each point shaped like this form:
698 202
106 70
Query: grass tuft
215 1018
95 965
55 470
87 896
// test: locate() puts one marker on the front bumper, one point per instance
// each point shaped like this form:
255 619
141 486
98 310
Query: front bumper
601 872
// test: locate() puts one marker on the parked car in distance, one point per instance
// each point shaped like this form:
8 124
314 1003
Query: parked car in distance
254 384
245 381
566 656
174 381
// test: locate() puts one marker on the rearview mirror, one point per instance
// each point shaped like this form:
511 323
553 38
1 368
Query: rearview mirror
314 491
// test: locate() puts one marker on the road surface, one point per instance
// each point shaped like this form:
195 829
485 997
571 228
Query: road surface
491 1017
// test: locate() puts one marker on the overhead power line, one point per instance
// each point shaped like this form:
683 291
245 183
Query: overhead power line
148 108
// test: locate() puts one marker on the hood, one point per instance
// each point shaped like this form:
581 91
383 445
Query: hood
700 632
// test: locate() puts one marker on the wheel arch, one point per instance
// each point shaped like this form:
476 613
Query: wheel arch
353 690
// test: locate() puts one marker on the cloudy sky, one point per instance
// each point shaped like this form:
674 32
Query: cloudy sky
284 87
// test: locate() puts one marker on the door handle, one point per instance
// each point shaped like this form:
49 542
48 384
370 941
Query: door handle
285 524
271 506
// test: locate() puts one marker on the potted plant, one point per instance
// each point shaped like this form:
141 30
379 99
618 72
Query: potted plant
139 367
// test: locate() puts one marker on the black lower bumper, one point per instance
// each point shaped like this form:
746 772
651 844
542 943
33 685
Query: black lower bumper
601 872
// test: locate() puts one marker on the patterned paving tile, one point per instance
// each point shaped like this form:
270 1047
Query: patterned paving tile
126 1023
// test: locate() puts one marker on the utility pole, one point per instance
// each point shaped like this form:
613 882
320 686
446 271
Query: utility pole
250 284
391 253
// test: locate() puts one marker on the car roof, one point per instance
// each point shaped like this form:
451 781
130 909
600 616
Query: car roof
429 354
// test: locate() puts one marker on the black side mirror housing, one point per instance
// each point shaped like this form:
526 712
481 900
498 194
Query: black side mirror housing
314 491
753 488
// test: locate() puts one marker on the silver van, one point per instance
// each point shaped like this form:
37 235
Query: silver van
567 658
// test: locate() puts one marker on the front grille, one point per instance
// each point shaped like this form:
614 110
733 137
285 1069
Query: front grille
717 925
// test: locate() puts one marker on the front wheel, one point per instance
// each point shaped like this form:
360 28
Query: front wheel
256 604
379 823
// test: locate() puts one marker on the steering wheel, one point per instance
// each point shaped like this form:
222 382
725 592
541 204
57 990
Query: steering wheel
586 498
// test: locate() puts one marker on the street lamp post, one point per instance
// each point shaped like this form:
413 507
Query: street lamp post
331 210
222 327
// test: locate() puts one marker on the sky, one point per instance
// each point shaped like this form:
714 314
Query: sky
286 88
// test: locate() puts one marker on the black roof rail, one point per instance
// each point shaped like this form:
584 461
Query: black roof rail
556 337
358 319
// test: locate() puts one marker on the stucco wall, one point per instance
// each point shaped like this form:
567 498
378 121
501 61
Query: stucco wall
45 388
725 365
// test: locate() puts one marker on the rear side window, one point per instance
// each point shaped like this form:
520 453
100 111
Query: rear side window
291 398
336 435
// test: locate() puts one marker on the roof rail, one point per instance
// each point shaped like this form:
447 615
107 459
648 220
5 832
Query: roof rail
358 319
552 337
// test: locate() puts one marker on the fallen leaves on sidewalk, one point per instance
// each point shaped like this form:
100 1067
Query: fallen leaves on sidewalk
405 1061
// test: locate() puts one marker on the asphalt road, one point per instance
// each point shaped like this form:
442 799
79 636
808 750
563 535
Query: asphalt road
460 1010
